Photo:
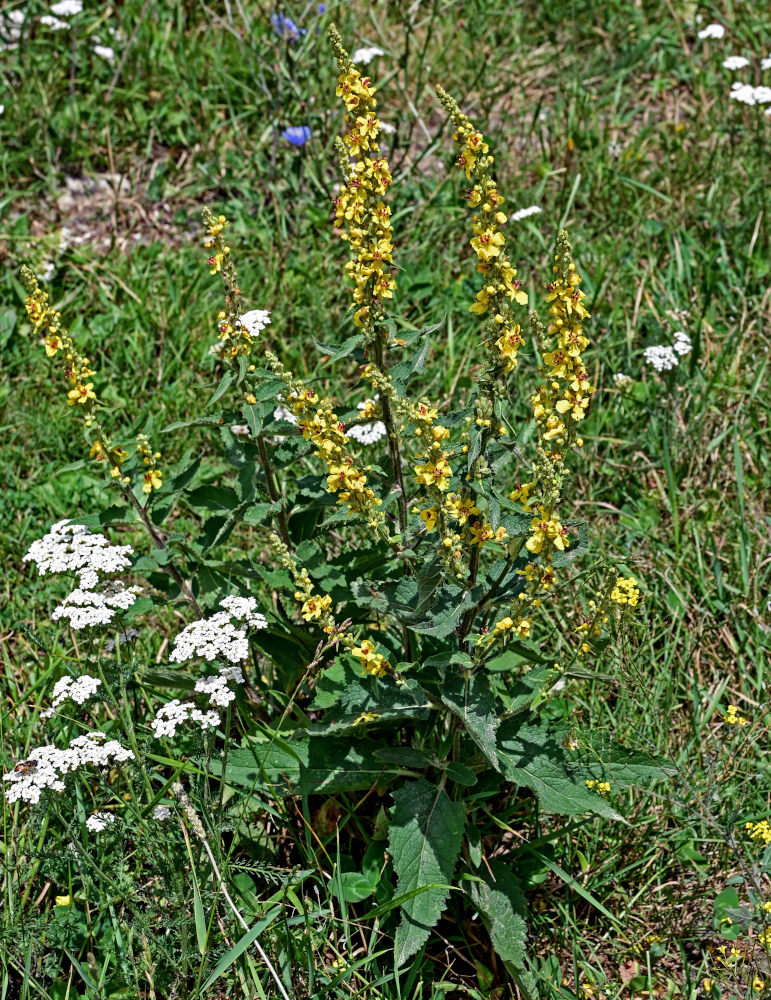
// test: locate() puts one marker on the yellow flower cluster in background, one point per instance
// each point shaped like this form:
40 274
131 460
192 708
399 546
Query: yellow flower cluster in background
501 288
233 335
732 717
359 206
625 592
153 480
601 787
760 832
59 344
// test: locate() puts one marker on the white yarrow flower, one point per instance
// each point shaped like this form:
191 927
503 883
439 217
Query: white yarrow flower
712 31
765 64
176 713
161 813
682 344
217 637
523 213
661 357
47 766
99 821
367 54
72 548
255 321
735 62
77 689
104 52
54 23
88 608
622 381
67 8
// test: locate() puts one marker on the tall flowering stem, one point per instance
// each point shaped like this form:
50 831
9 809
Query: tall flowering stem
559 405
495 300
77 370
503 335
365 220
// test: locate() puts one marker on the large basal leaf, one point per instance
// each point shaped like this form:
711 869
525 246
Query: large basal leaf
503 907
537 756
305 764
474 705
424 841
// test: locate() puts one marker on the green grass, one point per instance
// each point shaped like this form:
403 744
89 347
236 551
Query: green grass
674 473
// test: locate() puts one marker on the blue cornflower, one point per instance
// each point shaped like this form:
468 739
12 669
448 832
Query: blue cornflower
298 135
285 27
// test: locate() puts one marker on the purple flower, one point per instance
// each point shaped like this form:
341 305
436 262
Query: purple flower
285 27
298 135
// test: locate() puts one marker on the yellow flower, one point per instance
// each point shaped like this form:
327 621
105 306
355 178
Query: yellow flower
488 244
436 473
366 717
81 394
625 592
153 480
575 403
429 516
314 607
372 662
732 717
63 900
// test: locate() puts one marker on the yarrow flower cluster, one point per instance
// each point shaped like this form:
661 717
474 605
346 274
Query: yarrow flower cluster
99 821
712 31
216 686
622 381
175 713
524 213
366 54
73 548
254 321
89 608
215 637
663 357
367 433
745 93
77 689
162 814
47 766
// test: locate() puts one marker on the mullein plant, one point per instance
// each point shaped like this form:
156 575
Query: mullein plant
415 595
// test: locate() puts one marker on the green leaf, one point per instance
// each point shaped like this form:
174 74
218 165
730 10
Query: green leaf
537 756
315 764
213 498
474 705
225 383
336 351
450 606
499 899
424 842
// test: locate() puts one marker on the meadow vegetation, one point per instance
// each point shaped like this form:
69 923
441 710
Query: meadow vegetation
523 619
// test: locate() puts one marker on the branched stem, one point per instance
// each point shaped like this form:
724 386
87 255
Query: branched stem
273 492
160 544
